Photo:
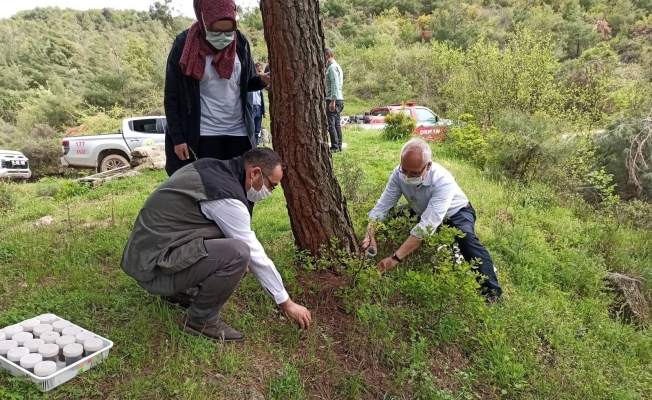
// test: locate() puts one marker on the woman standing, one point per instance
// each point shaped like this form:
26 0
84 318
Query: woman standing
209 72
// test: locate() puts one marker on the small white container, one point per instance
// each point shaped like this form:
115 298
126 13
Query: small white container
45 368
28 361
60 325
62 342
28 325
81 337
50 337
21 337
73 353
33 345
11 330
92 346
71 331
6 345
47 318
50 352
2 336
42 328
14 355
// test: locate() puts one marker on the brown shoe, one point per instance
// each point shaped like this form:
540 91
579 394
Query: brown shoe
181 299
219 331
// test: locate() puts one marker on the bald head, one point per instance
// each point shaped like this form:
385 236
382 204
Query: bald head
415 156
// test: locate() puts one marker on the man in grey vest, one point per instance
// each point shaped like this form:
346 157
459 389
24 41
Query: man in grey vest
194 231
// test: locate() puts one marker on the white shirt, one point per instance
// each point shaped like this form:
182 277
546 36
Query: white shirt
439 196
235 222
221 105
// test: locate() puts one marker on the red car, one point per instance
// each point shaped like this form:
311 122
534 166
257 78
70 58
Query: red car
429 124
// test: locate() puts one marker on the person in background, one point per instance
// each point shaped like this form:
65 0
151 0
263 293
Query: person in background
257 102
436 198
209 72
334 100
176 244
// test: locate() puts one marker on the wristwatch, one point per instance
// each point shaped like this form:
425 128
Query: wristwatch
395 257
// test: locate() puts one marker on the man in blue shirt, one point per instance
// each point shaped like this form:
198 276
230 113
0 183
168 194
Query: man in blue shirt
257 101
334 100
433 195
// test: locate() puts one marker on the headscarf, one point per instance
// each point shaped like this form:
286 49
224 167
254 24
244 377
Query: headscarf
193 58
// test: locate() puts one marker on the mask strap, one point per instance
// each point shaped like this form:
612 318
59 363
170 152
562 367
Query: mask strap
203 21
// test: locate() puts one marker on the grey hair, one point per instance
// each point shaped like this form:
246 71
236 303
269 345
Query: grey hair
258 65
418 144
329 52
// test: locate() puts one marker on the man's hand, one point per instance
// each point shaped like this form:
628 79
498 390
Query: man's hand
266 78
367 242
386 264
247 271
264 115
297 313
331 106
181 150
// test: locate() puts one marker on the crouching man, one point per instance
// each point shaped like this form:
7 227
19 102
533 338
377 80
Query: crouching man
194 231
433 195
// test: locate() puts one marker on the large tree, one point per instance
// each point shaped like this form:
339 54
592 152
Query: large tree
295 40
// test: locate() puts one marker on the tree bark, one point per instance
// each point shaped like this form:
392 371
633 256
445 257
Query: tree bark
316 206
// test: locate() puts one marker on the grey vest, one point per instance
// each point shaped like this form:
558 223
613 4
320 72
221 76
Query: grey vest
170 229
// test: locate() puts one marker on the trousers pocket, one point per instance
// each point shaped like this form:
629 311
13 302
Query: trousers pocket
177 258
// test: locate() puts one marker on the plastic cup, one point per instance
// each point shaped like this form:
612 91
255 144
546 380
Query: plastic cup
81 337
42 328
21 337
71 330
11 330
60 325
47 318
45 368
28 361
14 355
33 345
3 336
92 346
371 252
6 345
73 353
50 352
50 337
28 325
62 342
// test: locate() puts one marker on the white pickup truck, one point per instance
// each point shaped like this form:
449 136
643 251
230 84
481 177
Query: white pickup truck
14 165
105 152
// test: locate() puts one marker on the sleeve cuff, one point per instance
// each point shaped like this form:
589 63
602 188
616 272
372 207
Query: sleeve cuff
281 297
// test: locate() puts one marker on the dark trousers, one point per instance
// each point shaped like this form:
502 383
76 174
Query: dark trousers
217 276
223 147
334 128
472 249
257 114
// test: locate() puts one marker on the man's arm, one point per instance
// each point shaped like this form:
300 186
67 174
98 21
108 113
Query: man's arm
432 217
235 222
388 199
332 76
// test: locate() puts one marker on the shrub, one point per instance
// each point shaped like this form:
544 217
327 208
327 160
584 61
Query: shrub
7 197
470 141
44 156
398 126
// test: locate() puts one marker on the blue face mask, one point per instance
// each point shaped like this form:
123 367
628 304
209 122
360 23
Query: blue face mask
221 41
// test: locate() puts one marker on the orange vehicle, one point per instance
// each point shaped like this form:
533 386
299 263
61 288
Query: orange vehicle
429 124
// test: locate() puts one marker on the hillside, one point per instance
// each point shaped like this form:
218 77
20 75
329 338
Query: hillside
552 337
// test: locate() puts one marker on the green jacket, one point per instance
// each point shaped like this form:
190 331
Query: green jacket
170 229
334 81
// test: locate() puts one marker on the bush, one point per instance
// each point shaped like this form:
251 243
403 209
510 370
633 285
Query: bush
44 156
399 126
470 141
7 197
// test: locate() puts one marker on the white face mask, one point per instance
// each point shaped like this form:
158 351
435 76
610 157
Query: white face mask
254 195
219 42
416 181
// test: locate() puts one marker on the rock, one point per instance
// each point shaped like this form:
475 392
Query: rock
251 393
216 378
151 157
632 305
45 221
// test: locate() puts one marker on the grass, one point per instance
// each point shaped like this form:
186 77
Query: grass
552 337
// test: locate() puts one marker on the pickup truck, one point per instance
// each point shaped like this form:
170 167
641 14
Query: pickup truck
105 152
14 165
429 125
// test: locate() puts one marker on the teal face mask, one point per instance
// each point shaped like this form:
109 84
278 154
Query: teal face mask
221 41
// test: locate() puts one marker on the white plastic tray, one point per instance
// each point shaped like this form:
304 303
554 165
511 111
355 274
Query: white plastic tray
63 375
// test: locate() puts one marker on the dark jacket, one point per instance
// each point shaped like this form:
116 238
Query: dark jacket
183 106
170 229
250 99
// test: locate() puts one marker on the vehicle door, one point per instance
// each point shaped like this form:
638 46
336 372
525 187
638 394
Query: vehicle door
428 124
145 132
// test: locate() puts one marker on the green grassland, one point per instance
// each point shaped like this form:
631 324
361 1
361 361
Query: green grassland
553 337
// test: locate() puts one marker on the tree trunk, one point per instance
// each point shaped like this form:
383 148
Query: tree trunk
295 42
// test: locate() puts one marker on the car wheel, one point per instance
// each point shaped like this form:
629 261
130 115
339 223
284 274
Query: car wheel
113 161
